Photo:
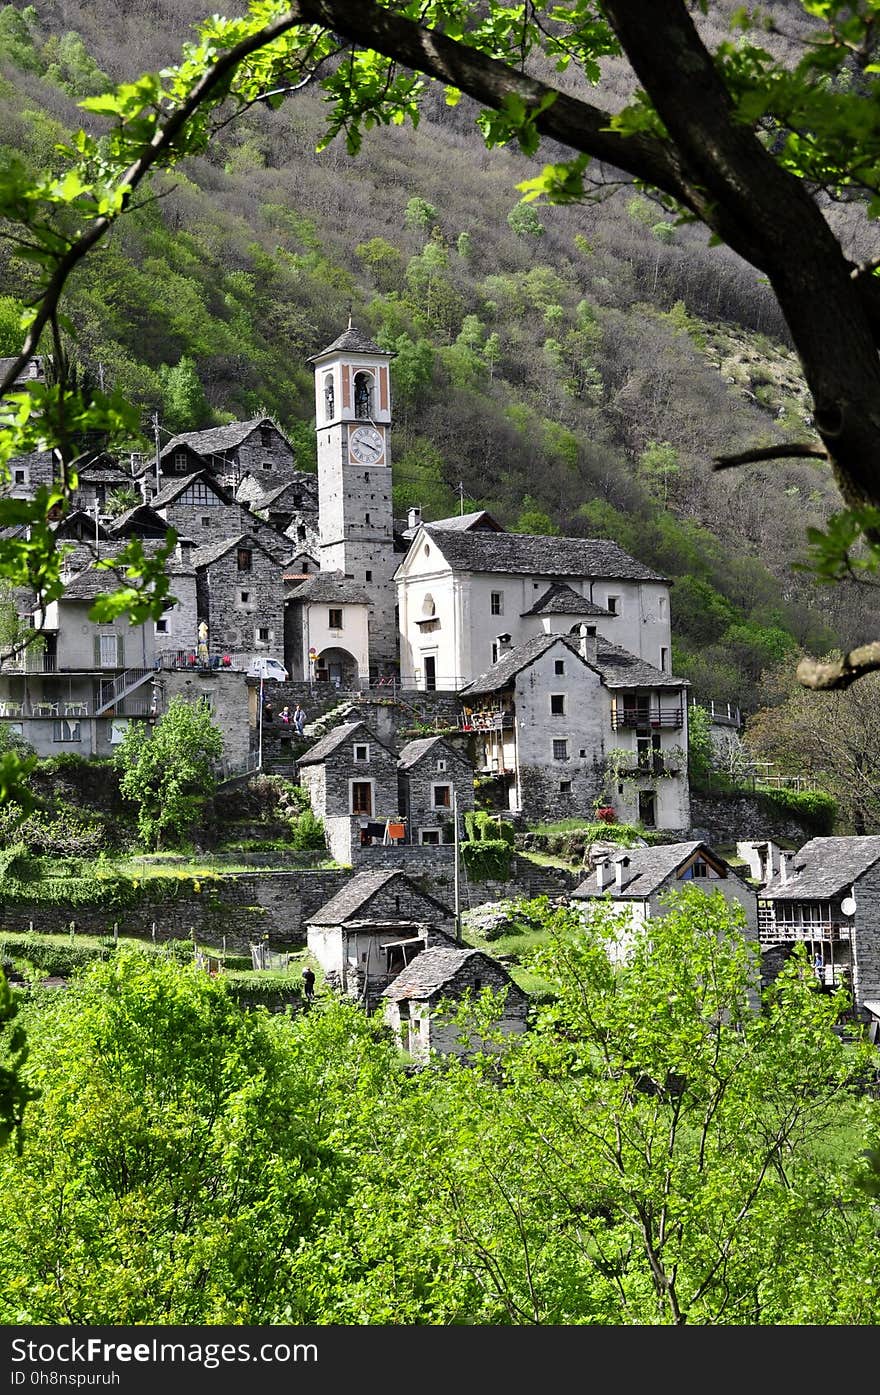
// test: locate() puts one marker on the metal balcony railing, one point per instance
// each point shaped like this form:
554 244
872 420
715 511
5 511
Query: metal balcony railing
656 717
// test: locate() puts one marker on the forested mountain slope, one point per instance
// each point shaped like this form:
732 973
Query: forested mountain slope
571 369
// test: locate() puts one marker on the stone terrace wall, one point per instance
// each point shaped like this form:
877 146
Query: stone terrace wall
726 821
239 907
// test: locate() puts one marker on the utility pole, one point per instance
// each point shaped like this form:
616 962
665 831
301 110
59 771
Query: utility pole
156 435
457 877
460 488
260 728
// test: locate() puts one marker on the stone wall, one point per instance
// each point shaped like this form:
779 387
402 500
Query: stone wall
233 623
242 908
865 946
725 821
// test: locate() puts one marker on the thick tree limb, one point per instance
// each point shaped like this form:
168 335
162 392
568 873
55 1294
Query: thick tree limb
786 450
840 673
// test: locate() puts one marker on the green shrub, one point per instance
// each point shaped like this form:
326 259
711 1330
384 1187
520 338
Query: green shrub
487 859
813 807
61 959
308 832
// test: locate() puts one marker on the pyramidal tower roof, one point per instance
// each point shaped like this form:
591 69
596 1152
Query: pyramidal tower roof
352 341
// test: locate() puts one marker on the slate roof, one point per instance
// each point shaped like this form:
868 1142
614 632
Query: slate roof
459 523
354 897
337 737
530 554
216 440
86 583
331 587
351 341
414 751
823 868
647 871
620 669
78 518
559 599
169 492
143 513
616 667
430 972
207 556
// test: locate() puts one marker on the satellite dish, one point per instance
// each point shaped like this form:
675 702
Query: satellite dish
848 905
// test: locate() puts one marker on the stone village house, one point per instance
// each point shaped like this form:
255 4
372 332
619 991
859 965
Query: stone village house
432 775
465 592
552 715
447 973
351 777
638 878
827 897
373 928
240 594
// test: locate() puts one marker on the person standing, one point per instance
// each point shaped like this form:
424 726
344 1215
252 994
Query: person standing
308 978
299 719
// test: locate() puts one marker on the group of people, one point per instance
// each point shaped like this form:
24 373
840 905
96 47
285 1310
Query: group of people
295 719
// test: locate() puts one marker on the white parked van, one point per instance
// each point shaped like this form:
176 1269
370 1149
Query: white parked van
263 667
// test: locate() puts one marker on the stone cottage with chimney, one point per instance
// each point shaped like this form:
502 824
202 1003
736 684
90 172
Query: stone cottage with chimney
562 723
827 897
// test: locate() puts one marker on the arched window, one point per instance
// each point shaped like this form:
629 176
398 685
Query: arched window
429 609
363 395
328 397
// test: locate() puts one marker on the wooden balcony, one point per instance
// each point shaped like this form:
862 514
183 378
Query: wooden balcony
654 718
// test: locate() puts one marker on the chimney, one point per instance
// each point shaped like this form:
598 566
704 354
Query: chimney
603 874
184 549
588 645
413 518
503 642
619 864
785 868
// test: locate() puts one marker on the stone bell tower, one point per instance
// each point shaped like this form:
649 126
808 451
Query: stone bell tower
353 424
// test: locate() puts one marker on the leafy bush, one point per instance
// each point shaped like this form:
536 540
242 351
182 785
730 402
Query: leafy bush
814 808
308 831
61 959
487 859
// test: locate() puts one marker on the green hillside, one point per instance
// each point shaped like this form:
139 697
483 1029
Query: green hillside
574 370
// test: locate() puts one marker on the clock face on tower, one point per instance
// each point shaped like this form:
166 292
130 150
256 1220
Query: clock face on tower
366 444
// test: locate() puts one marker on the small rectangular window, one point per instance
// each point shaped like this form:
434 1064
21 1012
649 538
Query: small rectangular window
161 627
206 522
496 603
245 559
362 753
20 476
559 668
612 604
263 634
65 731
368 575
664 659
565 786
442 796
560 750
557 704
362 797
441 765
244 596
430 836
335 620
